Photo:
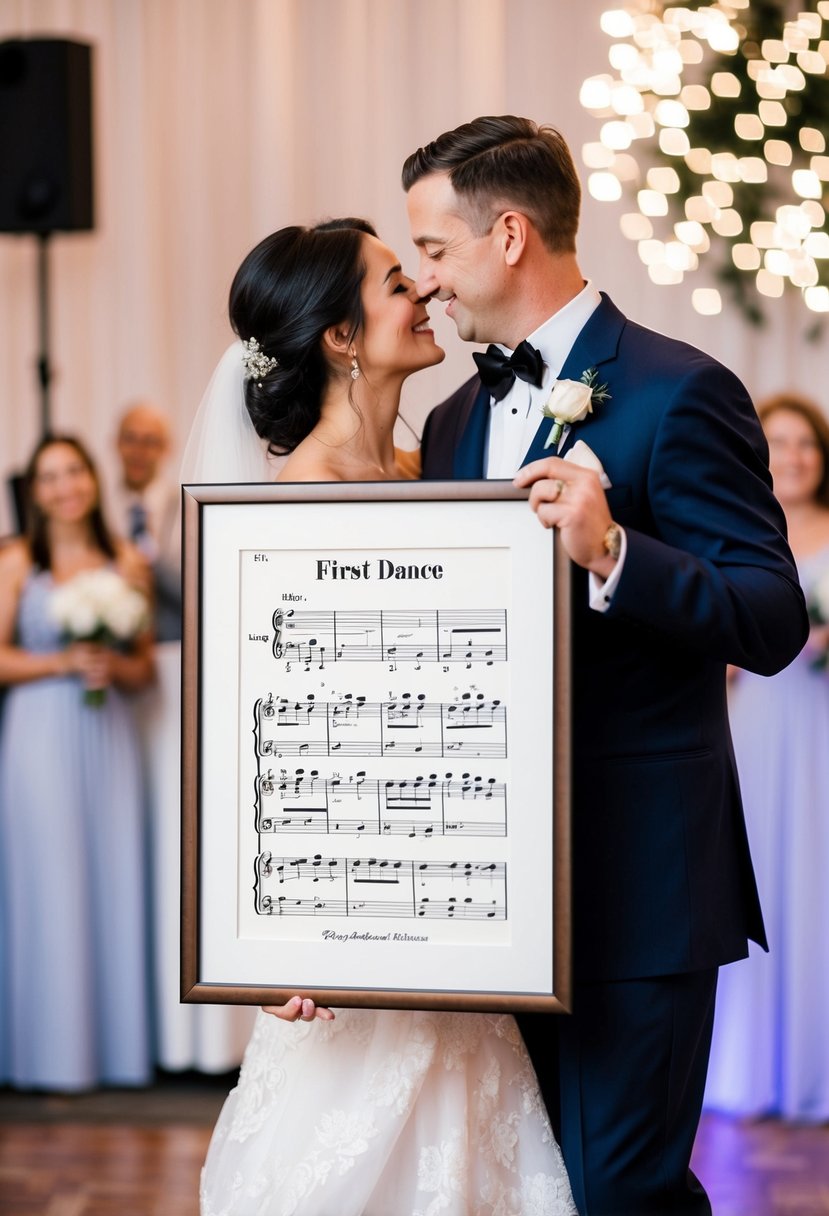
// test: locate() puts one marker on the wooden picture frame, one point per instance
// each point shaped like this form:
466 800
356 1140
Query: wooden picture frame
376 747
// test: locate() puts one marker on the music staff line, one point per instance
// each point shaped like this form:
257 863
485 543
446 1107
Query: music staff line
403 727
434 636
380 887
418 806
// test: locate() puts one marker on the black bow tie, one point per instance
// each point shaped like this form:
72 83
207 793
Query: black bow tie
498 371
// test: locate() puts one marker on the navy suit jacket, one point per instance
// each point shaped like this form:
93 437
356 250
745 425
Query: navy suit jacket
662 876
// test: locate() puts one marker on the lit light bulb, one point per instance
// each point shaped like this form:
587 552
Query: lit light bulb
617 22
773 113
724 166
753 169
804 272
817 244
723 38
718 193
706 301
689 232
690 51
812 62
680 257
652 202
652 252
664 275
749 126
725 84
793 221
626 100
763 234
622 55
595 92
605 187
728 223
695 97
792 78
700 210
597 156
807 184
777 152
812 140
626 167
671 114
774 50
817 298
698 160
664 180
746 257
769 284
808 23
616 135
642 125
814 211
673 142
778 262
635 226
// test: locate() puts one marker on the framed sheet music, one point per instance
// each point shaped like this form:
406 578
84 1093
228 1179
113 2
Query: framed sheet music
376 784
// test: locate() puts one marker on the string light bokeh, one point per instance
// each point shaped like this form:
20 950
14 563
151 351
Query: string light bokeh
706 126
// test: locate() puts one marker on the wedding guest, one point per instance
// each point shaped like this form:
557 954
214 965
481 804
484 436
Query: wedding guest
679 566
144 506
373 1112
72 851
770 1052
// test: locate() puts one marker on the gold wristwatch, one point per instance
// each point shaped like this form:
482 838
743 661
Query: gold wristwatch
613 541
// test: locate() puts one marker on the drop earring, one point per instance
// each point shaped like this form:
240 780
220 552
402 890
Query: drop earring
355 367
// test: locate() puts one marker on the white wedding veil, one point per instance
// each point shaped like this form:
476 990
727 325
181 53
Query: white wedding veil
223 445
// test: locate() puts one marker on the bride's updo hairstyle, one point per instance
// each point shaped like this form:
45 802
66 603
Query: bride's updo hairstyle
289 290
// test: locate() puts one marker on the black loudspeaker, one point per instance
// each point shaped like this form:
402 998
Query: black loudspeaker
45 136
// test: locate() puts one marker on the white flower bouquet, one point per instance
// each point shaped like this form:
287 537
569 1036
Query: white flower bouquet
818 605
99 606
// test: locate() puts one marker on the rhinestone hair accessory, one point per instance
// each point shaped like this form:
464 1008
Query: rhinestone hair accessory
256 363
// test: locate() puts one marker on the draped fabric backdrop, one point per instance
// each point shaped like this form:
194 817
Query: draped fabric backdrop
217 121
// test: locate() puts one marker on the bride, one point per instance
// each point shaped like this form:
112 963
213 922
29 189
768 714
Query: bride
366 1112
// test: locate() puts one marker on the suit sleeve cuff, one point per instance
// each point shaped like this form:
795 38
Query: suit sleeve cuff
600 591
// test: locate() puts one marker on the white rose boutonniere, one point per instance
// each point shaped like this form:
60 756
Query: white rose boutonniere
571 401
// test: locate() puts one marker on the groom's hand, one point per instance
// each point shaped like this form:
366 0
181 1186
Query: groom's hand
568 497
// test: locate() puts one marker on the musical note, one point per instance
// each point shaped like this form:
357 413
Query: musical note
384 887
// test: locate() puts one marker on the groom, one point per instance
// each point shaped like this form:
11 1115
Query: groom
681 567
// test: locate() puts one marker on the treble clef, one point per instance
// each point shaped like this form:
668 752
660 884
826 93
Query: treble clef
278 617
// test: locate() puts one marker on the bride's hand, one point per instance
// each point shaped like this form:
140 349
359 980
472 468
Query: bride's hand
299 1009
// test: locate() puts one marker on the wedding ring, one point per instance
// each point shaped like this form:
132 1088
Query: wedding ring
559 485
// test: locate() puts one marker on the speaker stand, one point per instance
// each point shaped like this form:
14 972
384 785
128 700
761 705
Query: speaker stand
44 367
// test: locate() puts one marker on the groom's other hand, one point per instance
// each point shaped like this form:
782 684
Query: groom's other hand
570 498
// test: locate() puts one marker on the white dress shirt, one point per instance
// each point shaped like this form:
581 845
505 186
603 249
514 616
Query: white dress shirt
514 420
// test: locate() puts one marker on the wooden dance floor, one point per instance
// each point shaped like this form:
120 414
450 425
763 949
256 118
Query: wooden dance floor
119 1153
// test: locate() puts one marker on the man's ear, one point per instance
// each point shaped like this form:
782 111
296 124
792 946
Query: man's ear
515 230
335 341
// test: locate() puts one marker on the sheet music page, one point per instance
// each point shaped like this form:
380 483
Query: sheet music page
382 758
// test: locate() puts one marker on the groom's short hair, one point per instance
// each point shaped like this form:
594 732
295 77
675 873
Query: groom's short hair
499 162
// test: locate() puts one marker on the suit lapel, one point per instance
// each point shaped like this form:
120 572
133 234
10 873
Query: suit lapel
596 344
468 464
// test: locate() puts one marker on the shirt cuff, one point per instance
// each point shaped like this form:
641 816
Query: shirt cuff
601 591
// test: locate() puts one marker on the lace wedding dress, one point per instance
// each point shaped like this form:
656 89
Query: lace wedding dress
385 1113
